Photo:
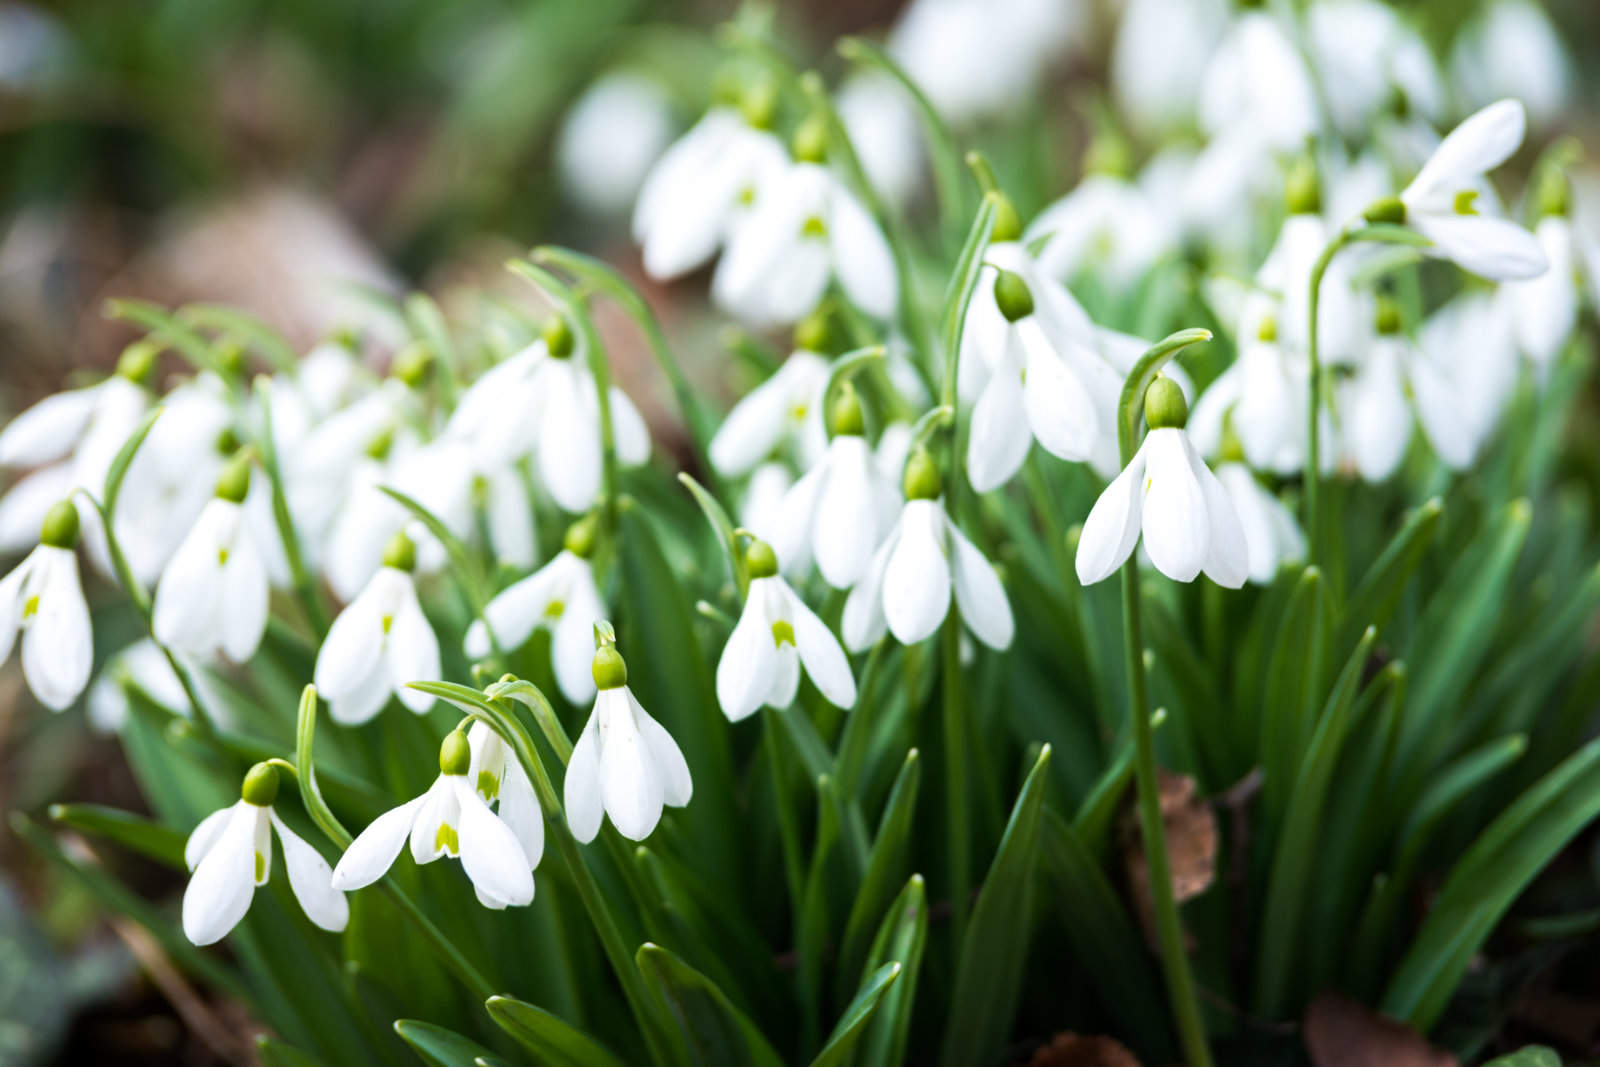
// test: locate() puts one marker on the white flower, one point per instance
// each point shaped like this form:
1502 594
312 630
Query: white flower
805 229
43 599
498 777
213 593
144 665
697 194
450 819
1377 416
834 514
925 558
1105 225
1256 80
1544 310
1365 53
1272 537
1441 201
1159 95
624 765
1513 50
776 636
881 123
230 853
784 409
561 595
1343 314
379 642
977 57
615 131
762 508
1472 341
1168 492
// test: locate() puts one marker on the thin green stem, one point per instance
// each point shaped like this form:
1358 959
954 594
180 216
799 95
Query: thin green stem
958 776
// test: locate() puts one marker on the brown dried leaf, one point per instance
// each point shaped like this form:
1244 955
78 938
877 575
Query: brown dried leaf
1076 1050
1191 832
1340 1032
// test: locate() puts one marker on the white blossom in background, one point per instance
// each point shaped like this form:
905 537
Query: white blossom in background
230 854
1544 309
379 643
610 138
761 510
1364 54
1159 96
777 635
42 601
1168 494
450 819
144 665
561 595
1108 226
1513 50
782 414
1473 340
625 765
1376 406
881 123
1257 80
921 563
212 597
1272 537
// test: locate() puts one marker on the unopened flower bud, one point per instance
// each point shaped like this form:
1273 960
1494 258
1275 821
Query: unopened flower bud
1388 320
1164 405
760 560
557 336
60 529
401 553
412 365
811 140
1007 223
580 537
230 358
234 482
1390 209
1554 193
759 104
455 753
1302 192
814 332
260 785
137 361
227 442
1012 295
922 480
844 413
609 670
379 446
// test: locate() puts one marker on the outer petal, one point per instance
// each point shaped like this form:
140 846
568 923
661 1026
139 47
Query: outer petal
1253 504
580 793
186 599
629 430
48 430
863 624
1377 422
490 853
791 535
11 603
1480 143
819 651
23 508
312 880
374 850
572 649
979 594
517 609
861 256
1059 407
1488 247
569 442
916 584
628 778
413 654
843 528
350 652
365 699
519 809
752 429
676 787
1112 528
1176 529
1227 555
58 647
1441 410
245 592
749 659
206 835
1000 438
219 894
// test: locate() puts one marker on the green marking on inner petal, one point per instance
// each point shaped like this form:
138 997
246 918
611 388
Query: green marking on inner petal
446 840
488 785
799 412
555 609
782 633
261 867
388 621
1466 202
30 607
814 227
747 195
222 556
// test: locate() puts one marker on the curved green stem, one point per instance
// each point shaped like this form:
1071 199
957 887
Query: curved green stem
1169 928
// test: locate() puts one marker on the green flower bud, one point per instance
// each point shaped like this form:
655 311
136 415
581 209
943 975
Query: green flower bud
580 537
1390 209
260 785
1302 192
401 553
922 480
557 336
760 560
1108 154
230 358
234 482
1388 320
1267 329
379 446
227 442
844 413
1007 223
609 670
60 528
759 104
412 365
138 361
1164 405
1554 195
1012 295
455 754
811 140
814 333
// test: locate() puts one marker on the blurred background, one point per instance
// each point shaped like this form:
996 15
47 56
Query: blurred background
296 157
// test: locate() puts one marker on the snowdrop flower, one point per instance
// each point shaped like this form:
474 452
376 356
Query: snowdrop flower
834 512
924 559
498 777
1287 271
776 636
1377 415
1513 50
615 131
1107 225
1272 537
1472 341
213 593
1544 310
761 511
379 642
805 229
43 599
976 57
1042 385
700 191
1157 96
1441 202
450 819
1365 54
561 595
230 853
786 409
144 665
1168 492
881 122
1257 81
625 764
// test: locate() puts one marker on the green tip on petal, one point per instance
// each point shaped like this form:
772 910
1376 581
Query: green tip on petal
1267 329
1302 191
761 560
234 483
814 333
844 413
922 480
1164 405
455 754
401 553
1013 296
759 103
610 672
260 785
60 529
557 336
412 365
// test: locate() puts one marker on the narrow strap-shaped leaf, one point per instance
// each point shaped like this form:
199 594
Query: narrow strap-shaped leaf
1375 598
263 338
999 934
277 1053
165 327
1293 694
439 1047
427 323
161 843
857 1014
1532 1056
713 1030
885 863
550 1039
722 526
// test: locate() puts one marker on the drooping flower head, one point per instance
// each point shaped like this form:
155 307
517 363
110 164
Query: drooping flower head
42 599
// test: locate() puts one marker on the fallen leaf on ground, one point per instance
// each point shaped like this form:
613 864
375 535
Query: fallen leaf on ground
1341 1032
1076 1050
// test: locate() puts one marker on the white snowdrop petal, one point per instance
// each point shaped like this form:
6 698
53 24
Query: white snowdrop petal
48 429
749 659
1482 141
206 835
861 256
819 651
581 795
1227 556
1059 407
863 624
245 592
29 499
628 778
790 535
569 441
440 812
1377 421
752 429
373 851
843 523
412 655
916 583
490 853
58 647
784 679
628 429
312 880
1112 528
572 651
519 809
516 611
219 893
998 443
350 652
979 594
676 787
1488 247
1441 411
1176 529
185 608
